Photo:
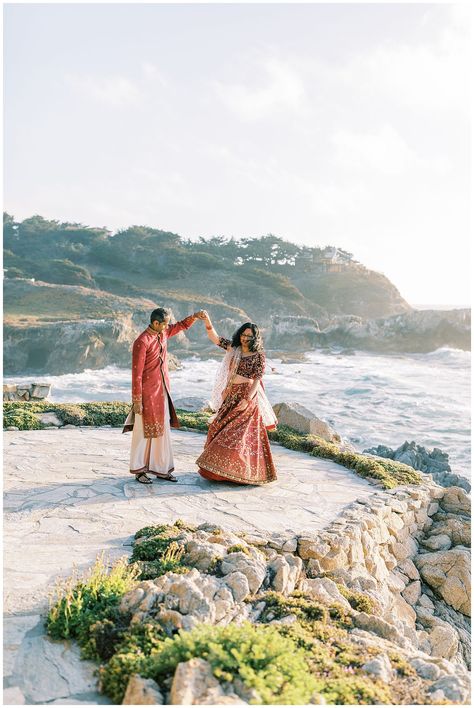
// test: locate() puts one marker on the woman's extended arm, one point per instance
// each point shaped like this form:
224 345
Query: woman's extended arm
211 332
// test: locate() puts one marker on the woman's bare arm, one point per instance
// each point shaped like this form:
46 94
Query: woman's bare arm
211 332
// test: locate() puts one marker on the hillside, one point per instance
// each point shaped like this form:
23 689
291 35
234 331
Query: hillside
77 296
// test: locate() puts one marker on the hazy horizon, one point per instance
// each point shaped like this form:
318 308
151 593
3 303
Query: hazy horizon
344 125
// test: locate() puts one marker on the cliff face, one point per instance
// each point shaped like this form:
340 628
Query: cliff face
75 297
421 331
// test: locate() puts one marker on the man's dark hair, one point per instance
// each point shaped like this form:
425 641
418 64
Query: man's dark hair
255 344
160 314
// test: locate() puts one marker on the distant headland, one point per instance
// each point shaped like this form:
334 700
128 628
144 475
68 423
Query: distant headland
76 296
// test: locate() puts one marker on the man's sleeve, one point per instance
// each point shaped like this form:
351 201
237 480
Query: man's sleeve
179 326
138 363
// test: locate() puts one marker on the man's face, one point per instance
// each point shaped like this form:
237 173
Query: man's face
158 327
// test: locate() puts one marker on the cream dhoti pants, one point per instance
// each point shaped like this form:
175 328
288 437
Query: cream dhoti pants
153 455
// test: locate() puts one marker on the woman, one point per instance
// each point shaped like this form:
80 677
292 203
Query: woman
237 447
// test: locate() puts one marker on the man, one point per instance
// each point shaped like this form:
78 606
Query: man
153 410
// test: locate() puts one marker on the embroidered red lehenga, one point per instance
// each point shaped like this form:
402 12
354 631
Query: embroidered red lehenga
237 448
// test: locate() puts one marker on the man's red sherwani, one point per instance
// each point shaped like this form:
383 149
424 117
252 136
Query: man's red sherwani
150 377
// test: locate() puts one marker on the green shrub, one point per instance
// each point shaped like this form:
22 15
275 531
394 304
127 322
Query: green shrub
98 413
387 473
263 659
72 414
81 603
23 419
170 561
239 548
157 550
299 604
357 600
197 419
353 690
114 676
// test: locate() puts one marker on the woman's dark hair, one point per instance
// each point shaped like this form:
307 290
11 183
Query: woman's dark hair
255 344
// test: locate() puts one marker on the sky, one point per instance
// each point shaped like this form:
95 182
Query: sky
340 124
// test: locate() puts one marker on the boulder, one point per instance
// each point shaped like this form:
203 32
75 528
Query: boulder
142 692
324 590
449 573
238 584
200 554
296 416
380 668
409 569
50 420
192 404
379 626
13 696
286 571
456 500
254 569
412 592
437 542
195 684
444 641
425 669
457 528
451 688
40 390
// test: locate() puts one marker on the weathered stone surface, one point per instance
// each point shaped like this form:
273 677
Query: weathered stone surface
426 602
412 592
404 550
191 403
451 688
456 500
457 528
380 667
51 670
311 548
324 590
238 584
444 641
254 569
425 669
409 568
286 570
49 419
449 573
379 626
438 542
13 697
296 416
195 684
200 554
142 692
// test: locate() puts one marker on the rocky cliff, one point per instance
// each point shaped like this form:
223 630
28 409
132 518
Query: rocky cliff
75 297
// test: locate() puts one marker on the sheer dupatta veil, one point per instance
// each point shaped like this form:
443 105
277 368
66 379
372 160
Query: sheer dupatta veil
224 377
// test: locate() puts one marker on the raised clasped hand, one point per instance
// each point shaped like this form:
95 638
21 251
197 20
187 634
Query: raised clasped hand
201 315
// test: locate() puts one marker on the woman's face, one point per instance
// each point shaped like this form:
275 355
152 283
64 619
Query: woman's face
246 336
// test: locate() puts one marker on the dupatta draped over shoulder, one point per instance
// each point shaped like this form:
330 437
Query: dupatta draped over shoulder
237 447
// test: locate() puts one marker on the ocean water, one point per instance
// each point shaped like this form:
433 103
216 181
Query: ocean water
370 399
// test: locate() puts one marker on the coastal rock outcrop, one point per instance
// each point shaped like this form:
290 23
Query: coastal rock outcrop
434 462
449 573
299 418
26 392
416 331
369 574
142 692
